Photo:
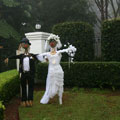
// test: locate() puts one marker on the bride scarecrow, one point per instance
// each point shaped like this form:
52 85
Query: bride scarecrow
55 77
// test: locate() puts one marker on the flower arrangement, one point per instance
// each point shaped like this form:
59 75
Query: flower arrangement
53 37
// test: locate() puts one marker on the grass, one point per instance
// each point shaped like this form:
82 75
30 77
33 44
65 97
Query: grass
81 104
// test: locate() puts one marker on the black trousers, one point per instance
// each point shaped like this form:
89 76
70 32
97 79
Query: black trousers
27 77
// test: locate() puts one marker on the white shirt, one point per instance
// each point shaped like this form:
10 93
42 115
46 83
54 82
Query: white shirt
26 65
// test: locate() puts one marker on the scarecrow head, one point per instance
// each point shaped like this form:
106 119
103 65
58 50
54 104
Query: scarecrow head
53 41
25 43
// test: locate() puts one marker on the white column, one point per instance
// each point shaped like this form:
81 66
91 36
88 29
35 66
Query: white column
37 40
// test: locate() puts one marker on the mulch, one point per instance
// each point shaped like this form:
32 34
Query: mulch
11 111
12 108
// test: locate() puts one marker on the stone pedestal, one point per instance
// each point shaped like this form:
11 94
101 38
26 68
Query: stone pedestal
37 40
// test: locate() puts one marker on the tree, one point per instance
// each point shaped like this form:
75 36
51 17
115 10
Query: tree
104 9
10 34
6 29
57 11
107 9
115 7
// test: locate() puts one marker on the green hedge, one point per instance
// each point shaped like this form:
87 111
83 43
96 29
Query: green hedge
81 35
111 40
86 74
2 108
9 85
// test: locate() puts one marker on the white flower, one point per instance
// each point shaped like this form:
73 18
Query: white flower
54 37
65 45
72 55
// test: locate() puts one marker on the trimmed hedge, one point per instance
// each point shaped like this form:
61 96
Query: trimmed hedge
2 108
86 74
9 87
111 40
81 35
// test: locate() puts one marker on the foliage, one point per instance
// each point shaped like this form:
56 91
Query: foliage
81 35
2 108
9 10
9 39
111 40
9 85
11 27
56 11
85 74
27 15
7 31
10 3
32 12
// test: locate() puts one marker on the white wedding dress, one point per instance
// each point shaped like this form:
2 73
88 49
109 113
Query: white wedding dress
55 77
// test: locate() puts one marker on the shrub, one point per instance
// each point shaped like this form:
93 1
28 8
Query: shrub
2 108
81 35
86 74
9 85
111 40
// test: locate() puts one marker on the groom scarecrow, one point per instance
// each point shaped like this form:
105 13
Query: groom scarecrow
27 71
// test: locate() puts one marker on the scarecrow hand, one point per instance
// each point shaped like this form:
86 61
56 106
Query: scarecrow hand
46 59
6 61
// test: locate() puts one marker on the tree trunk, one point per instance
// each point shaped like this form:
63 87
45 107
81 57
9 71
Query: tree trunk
102 10
106 9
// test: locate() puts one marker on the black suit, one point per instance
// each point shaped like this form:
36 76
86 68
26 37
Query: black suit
27 76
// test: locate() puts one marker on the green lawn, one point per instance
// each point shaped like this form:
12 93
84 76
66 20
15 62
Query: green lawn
78 105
